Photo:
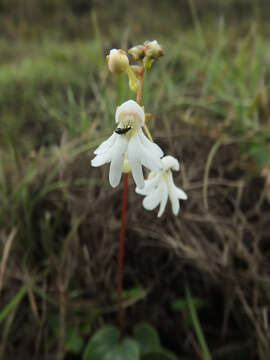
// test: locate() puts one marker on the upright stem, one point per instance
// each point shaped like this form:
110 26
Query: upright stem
121 255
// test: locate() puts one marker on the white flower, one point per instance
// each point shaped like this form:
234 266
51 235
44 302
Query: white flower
160 186
128 142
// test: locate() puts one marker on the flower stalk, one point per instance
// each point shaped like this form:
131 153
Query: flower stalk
121 255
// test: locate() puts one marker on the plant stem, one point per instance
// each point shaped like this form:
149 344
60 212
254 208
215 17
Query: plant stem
145 128
121 255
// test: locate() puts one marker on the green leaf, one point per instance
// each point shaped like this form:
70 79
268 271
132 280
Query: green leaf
101 343
160 355
106 345
126 350
147 338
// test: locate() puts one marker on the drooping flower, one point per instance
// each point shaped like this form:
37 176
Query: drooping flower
160 186
128 143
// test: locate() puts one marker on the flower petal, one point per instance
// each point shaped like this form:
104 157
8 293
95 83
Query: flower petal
137 173
134 161
148 152
152 200
153 147
170 162
101 159
149 185
173 195
175 203
164 199
118 155
180 193
130 106
105 145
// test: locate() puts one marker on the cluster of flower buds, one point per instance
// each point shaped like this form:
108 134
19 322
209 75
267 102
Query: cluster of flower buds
150 49
147 53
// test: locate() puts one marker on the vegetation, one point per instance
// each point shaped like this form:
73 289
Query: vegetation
197 284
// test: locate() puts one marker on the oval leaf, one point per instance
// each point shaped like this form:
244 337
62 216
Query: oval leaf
128 349
102 343
147 338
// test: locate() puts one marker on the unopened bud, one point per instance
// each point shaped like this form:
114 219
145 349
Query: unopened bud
117 61
136 69
153 50
133 83
137 52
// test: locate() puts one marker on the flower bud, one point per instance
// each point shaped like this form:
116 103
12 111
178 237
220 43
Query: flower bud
137 52
153 50
136 69
117 61
133 83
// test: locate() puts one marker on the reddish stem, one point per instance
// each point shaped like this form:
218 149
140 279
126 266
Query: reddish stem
121 255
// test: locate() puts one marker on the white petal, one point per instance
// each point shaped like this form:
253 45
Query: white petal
170 162
130 106
134 162
154 148
180 193
152 200
105 145
175 203
164 199
137 173
149 161
148 152
118 155
173 195
149 185
115 171
101 159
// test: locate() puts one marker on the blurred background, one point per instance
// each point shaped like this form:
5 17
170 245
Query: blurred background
60 219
